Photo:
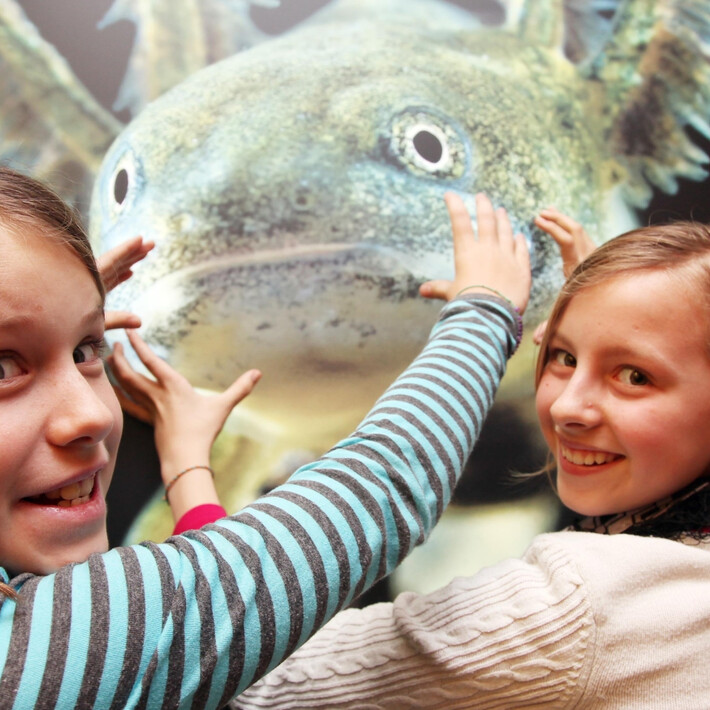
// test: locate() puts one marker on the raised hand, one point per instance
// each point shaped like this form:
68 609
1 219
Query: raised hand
490 258
186 421
574 243
115 268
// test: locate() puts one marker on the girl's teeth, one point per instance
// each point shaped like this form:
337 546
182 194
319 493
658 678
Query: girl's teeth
72 494
73 490
586 458
71 503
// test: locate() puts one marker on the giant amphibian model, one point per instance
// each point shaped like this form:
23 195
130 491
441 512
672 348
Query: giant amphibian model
293 184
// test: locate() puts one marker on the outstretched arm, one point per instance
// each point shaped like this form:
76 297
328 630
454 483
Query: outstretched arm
239 596
186 421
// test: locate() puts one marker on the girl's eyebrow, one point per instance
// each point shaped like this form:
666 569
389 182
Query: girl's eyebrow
17 321
91 316
22 320
559 340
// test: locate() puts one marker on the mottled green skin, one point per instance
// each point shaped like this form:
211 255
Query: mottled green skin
273 178
294 224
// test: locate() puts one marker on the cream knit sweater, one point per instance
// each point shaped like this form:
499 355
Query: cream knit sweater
583 620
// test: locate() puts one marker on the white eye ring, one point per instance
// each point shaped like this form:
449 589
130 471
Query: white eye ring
415 130
428 145
121 189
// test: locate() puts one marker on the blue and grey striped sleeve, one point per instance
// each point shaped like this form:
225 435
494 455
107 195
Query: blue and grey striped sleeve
194 621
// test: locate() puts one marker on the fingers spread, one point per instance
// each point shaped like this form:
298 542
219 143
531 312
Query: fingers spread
506 238
486 219
115 265
459 216
121 319
241 387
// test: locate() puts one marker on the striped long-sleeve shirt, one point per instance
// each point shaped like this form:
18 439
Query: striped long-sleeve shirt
197 619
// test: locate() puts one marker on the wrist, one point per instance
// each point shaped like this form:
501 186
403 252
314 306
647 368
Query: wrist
190 487
174 480
177 459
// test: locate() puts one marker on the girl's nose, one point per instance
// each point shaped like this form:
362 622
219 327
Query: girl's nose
80 414
577 405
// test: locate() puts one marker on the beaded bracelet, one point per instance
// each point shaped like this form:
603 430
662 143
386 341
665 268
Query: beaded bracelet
175 478
518 318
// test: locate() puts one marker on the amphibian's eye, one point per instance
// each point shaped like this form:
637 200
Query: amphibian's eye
120 186
427 144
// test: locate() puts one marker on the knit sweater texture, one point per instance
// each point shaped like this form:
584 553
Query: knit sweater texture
583 620
197 619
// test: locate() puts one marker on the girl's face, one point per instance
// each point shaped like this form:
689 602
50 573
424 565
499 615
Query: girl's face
60 422
624 401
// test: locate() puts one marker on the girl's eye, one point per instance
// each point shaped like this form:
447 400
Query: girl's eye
86 352
632 376
564 358
9 367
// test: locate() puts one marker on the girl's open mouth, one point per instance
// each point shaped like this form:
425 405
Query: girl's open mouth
67 496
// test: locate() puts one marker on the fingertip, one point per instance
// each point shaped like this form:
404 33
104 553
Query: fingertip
132 335
453 200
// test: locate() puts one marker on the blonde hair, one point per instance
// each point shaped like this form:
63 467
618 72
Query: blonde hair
681 248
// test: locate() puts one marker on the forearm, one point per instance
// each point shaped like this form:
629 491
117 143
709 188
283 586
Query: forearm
241 595
348 519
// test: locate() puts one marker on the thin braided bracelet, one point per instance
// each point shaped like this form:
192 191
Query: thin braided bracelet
519 335
175 478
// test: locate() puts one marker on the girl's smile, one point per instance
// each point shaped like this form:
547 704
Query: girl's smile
628 379
71 494
581 462
60 422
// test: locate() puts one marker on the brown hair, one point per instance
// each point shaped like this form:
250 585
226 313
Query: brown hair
27 203
681 248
